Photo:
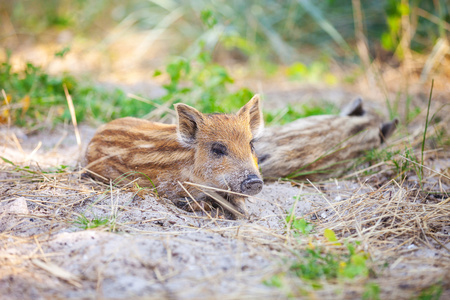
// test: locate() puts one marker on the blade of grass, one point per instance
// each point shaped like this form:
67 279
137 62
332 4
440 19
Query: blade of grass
316 14
437 55
282 49
426 127
432 18
72 115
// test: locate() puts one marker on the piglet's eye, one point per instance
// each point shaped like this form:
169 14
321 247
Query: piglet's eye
219 149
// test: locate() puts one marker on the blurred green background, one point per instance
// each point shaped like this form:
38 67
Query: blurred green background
190 48
279 31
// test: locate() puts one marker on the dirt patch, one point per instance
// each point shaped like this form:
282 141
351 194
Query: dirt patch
144 246
158 249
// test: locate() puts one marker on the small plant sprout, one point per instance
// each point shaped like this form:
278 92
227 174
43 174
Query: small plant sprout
90 223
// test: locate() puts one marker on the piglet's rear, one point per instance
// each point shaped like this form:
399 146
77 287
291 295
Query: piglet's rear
214 150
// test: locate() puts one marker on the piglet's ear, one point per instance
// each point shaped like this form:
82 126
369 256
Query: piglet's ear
252 111
188 119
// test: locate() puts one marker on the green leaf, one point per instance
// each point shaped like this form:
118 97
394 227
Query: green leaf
403 8
276 281
371 292
302 225
331 236
433 292
297 71
356 267
62 52
7 161
208 18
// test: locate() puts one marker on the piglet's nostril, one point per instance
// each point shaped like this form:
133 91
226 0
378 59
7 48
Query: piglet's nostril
253 177
252 185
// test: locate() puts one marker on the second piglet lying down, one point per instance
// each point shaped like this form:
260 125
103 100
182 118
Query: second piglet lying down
320 147
211 150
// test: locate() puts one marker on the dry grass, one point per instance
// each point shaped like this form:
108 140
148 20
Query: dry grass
401 226
65 235
150 248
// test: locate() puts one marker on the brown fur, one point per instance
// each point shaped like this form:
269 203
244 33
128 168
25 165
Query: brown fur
320 147
315 148
169 154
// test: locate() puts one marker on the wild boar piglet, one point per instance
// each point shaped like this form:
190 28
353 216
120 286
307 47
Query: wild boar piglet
321 147
214 150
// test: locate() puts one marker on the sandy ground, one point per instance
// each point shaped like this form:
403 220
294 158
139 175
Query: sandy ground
159 249
150 248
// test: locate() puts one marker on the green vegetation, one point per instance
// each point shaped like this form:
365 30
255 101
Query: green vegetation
298 225
425 130
291 113
303 41
263 33
434 292
110 223
317 263
35 99
371 292
201 83
326 263
395 107
90 223
402 162
316 71
28 170
130 176
260 30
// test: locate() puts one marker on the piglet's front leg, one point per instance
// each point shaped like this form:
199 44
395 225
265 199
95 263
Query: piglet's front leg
239 204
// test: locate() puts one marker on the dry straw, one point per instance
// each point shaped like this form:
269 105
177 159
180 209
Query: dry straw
402 224
392 222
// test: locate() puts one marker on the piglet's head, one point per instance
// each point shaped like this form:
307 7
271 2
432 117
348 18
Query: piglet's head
223 144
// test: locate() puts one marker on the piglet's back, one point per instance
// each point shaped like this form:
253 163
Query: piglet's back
130 144
320 143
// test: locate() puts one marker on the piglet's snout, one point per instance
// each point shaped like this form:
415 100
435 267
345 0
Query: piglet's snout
252 185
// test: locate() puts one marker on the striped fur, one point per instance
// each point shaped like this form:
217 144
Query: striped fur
173 154
316 147
319 147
